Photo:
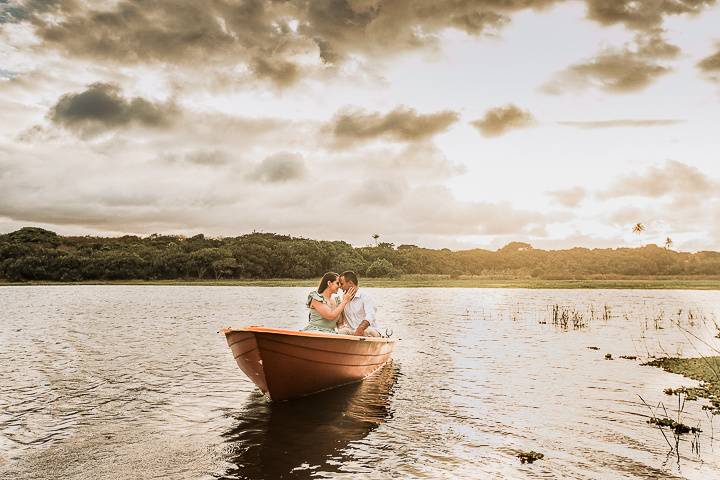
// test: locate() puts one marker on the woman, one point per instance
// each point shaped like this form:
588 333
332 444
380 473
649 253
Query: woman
324 308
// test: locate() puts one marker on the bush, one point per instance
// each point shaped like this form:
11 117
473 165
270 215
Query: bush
380 268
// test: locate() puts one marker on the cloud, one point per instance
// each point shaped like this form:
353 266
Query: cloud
279 168
641 14
671 179
103 107
352 126
207 158
594 124
619 70
271 40
280 72
612 71
710 65
652 44
570 197
500 120
280 42
380 192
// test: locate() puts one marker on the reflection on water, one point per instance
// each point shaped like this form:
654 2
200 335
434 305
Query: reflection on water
293 439
128 382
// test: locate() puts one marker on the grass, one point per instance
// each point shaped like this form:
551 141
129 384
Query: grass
704 369
440 281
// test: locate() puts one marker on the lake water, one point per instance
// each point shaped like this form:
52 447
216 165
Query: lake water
135 382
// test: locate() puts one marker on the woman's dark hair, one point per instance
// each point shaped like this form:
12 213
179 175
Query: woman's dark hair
327 278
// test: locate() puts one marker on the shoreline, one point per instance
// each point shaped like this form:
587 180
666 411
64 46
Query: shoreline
704 369
428 281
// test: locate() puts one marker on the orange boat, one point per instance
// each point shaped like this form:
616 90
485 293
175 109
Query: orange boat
287 364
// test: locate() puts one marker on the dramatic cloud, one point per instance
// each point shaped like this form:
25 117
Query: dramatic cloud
102 107
273 40
570 197
621 123
402 124
281 167
501 120
673 178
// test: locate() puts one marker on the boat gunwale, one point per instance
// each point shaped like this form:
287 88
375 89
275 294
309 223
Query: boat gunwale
296 333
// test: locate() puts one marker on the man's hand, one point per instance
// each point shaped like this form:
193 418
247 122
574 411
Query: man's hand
360 330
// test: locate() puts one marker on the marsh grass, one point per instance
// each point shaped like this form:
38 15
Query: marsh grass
675 426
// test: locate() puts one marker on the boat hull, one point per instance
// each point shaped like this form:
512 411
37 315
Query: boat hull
286 364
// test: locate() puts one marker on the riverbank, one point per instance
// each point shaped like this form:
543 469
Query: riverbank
704 369
437 281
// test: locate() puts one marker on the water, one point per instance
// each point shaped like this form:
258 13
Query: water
135 382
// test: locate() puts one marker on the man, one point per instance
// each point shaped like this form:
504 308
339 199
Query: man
359 313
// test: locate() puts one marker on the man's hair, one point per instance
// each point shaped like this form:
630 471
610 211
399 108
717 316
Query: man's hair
350 275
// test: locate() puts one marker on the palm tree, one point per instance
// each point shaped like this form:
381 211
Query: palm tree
375 237
638 228
668 243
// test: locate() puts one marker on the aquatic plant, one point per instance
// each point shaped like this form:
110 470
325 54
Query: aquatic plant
563 317
608 356
676 427
529 457
629 357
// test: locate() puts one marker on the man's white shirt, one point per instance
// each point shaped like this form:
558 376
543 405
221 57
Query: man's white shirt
360 308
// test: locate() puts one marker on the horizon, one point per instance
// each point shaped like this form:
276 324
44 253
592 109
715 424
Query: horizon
452 125
369 245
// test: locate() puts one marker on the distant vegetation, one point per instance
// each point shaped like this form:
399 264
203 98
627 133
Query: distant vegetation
37 254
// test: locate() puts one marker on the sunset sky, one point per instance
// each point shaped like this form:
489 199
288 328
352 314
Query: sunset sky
455 124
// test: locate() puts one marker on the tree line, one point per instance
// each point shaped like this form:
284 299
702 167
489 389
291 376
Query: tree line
33 253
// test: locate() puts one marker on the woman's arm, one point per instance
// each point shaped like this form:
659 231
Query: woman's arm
332 313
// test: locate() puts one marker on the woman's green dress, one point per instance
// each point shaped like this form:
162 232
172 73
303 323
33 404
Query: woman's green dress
316 323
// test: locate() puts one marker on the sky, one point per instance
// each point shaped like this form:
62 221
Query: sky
457 124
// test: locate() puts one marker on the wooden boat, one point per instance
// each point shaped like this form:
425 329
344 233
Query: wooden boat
287 364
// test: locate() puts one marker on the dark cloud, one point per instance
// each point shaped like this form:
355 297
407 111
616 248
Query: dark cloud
14 11
649 122
267 37
103 107
500 120
280 167
570 197
280 72
264 36
402 124
672 178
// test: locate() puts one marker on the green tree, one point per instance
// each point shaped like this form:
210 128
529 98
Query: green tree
380 268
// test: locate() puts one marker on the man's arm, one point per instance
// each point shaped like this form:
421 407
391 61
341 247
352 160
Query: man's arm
369 310
360 330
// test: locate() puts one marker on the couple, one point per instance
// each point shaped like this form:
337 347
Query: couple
353 314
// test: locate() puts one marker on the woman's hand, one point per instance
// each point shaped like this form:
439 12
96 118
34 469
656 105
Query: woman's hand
349 294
